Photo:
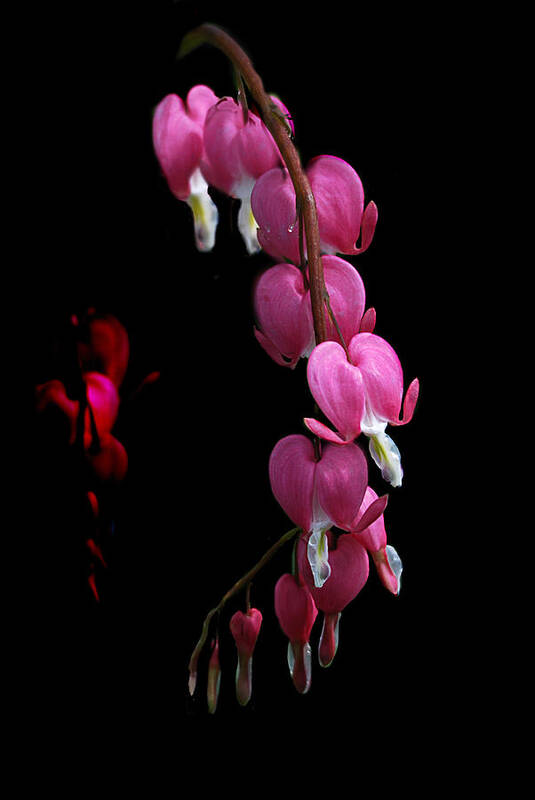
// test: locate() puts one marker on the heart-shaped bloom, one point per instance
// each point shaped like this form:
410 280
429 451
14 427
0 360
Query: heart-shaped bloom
108 462
177 135
237 152
284 312
317 494
296 612
373 538
339 197
102 396
349 572
361 394
245 628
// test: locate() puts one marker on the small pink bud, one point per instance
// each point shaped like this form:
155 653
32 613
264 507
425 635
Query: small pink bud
328 644
296 612
214 678
245 629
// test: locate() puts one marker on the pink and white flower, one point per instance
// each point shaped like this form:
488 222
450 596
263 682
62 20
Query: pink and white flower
349 572
177 134
237 152
284 312
296 613
373 538
361 393
317 494
245 628
339 197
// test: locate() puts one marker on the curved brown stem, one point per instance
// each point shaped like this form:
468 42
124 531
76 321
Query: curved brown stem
277 126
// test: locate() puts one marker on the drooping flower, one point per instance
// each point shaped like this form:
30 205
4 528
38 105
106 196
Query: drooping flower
317 494
245 628
339 198
102 396
296 613
349 572
177 134
362 394
238 150
373 538
284 312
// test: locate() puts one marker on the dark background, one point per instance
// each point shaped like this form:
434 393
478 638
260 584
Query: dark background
196 511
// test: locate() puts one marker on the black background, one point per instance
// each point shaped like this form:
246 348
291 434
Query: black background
196 511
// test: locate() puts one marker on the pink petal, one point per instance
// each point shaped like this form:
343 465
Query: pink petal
292 467
381 373
367 324
220 165
373 535
341 480
294 608
369 221
409 403
103 397
199 100
347 297
177 143
274 208
256 148
349 573
337 387
283 310
321 430
371 515
339 200
273 351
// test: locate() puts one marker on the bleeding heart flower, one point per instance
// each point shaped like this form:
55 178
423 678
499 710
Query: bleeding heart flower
339 198
361 394
296 613
349 572
317 494
245 629
237 152
284 312
373 538
177 134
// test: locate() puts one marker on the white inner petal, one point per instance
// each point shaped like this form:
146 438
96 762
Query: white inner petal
386 455
318 556
394 562
247 225
205 214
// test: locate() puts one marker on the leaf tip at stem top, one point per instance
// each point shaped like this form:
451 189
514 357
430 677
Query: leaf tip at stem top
191 41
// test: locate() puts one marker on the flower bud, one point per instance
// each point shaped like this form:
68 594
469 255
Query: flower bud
296 612
245 629
214 678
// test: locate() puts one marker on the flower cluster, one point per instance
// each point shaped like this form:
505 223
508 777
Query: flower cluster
210 141
320 480
89 411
